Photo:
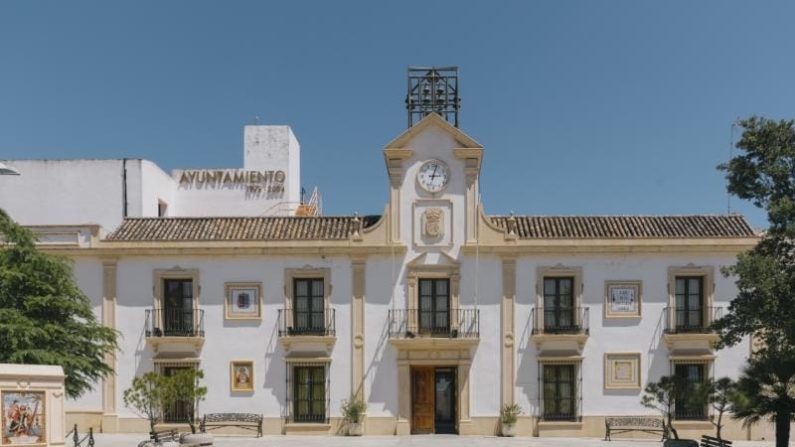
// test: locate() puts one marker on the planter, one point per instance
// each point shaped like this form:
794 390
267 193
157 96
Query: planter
355 428
509 430
196 439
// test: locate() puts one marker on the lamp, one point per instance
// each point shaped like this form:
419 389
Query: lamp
7 170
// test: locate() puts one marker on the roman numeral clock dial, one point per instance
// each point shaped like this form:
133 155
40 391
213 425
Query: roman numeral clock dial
433 176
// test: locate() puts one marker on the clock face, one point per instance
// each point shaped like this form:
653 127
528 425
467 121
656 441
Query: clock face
433 176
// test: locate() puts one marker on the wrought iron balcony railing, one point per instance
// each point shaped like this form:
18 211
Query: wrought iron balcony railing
174 323
295 323
559 320
452 323
696 320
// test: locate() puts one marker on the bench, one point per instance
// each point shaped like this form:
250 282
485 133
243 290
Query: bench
624 424
249 421
709 441
160 437
680 443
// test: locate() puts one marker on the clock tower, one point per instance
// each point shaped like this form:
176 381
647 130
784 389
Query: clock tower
433 169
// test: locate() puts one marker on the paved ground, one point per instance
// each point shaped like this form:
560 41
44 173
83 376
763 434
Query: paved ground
129 440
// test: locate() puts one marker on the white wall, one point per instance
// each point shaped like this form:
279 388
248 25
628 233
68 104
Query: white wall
274 148
227 340
59 192
266 149
74 192
157 186
643 335
383 280
485 386
88 274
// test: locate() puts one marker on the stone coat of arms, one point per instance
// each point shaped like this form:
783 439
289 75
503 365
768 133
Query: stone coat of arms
433 223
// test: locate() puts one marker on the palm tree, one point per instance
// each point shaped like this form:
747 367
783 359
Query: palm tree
766 391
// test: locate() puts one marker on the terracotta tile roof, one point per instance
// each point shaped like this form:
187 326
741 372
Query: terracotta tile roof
237 228
627 227
342 227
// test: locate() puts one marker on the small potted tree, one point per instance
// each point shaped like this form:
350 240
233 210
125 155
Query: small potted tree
185 390
508 417
147 396
352 410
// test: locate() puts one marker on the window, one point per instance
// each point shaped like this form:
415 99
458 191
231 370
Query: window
309 306
175 412
307 303
308 392
162 208
559 392
559 305
177 311
559 308
434 306
691 292
692 374
689 297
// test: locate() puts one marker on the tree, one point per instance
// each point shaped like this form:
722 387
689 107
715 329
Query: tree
764 308
45 319
766 391
662 396
719 394
147 397
151 393
764 173
184 387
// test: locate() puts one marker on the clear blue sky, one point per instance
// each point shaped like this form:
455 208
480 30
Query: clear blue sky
584 107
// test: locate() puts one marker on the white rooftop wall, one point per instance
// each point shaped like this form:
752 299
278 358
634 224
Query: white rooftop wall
71 192
77 192
268 184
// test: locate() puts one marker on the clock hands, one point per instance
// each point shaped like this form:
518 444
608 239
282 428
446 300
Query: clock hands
433 176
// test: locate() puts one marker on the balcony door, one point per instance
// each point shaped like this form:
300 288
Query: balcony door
434 302
559 305
309 307
689 304
177 307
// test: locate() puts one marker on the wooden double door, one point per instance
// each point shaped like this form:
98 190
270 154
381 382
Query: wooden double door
433 400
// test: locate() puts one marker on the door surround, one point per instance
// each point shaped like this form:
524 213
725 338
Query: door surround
460 359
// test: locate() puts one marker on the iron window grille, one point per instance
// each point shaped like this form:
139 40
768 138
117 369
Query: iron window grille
685 407
560 391
176 412
308 392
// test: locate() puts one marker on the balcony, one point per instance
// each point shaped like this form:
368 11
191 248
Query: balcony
313 330
686 328
560 324
174 329
441 329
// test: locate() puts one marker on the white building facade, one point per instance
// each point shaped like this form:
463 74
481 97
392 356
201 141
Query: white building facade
434 313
